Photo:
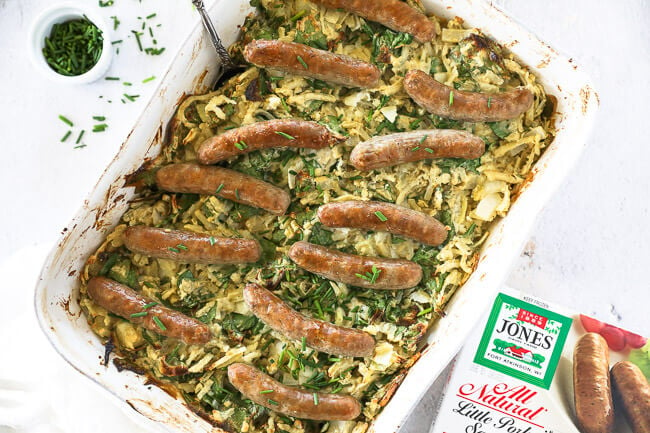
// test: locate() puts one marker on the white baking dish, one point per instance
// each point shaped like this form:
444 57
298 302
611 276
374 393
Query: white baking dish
56 291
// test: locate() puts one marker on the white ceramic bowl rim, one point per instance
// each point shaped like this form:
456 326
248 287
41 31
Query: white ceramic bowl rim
42 26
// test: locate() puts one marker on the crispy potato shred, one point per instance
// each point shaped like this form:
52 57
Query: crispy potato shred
466 195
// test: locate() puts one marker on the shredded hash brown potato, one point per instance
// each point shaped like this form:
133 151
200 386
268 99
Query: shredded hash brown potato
466 195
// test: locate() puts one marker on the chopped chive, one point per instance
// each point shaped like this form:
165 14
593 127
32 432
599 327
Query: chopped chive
228 128
285 135
299 15
131 97
427 149
381 216
66 120
489 101
423 138
304 343
266 391
415 148
273 402
65 137
451 98
149 305
237 194
159 323
140 314
137 38
241 145
302 62
174 250
212 240
151 16
146 80
116 22
119 41
81 134
181 247
315 399
112 78
333 359
99 118
126 83
103 4
100 128
219 189
425 311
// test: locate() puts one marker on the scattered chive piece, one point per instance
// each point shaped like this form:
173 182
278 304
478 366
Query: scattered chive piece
146 80
237 194
137 39
149 305
489 101
100 128
228 128
151 16
116 42
99 118
425 311
112 78
181 247
66 120
315 399
174 250
273 402
333 359
299 15
423 138
381 216
304 343
302 62
81 146
160 324
212 240
81 134
140 314
65 137
266 391
219 189
240 145
427 149
103 4
451 98
116 22
126 83
131 97
285 135
415 148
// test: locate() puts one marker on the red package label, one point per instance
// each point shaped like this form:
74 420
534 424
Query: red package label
532 318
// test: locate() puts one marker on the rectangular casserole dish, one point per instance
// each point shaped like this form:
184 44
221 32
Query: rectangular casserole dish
57 289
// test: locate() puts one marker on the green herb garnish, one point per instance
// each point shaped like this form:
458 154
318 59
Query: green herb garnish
212 240
159 323
146 80
149 305
489 101
266 391
315 399
429 150
81 134
451 98
73 47
273 402
381 216
174 250
371 277
302 62
65 137
140 314
219 189
181 247
241 145
66 120
285 135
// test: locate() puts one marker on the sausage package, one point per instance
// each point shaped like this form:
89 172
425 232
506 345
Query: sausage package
526 361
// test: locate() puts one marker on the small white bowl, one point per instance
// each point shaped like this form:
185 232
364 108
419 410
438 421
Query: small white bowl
41 28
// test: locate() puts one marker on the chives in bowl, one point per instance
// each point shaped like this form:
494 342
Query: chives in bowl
70 43
73 47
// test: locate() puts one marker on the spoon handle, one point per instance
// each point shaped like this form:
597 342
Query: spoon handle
226 62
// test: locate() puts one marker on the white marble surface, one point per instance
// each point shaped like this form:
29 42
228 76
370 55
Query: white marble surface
587 250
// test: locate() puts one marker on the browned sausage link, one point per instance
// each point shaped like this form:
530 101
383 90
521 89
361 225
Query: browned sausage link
318 334
393 149
374 215
226 183
303 60
264 135
394 14
125 302
292 401
188 247
633 391
393 274
468 106
591 387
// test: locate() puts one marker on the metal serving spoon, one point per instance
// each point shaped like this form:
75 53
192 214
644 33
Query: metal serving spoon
226 68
